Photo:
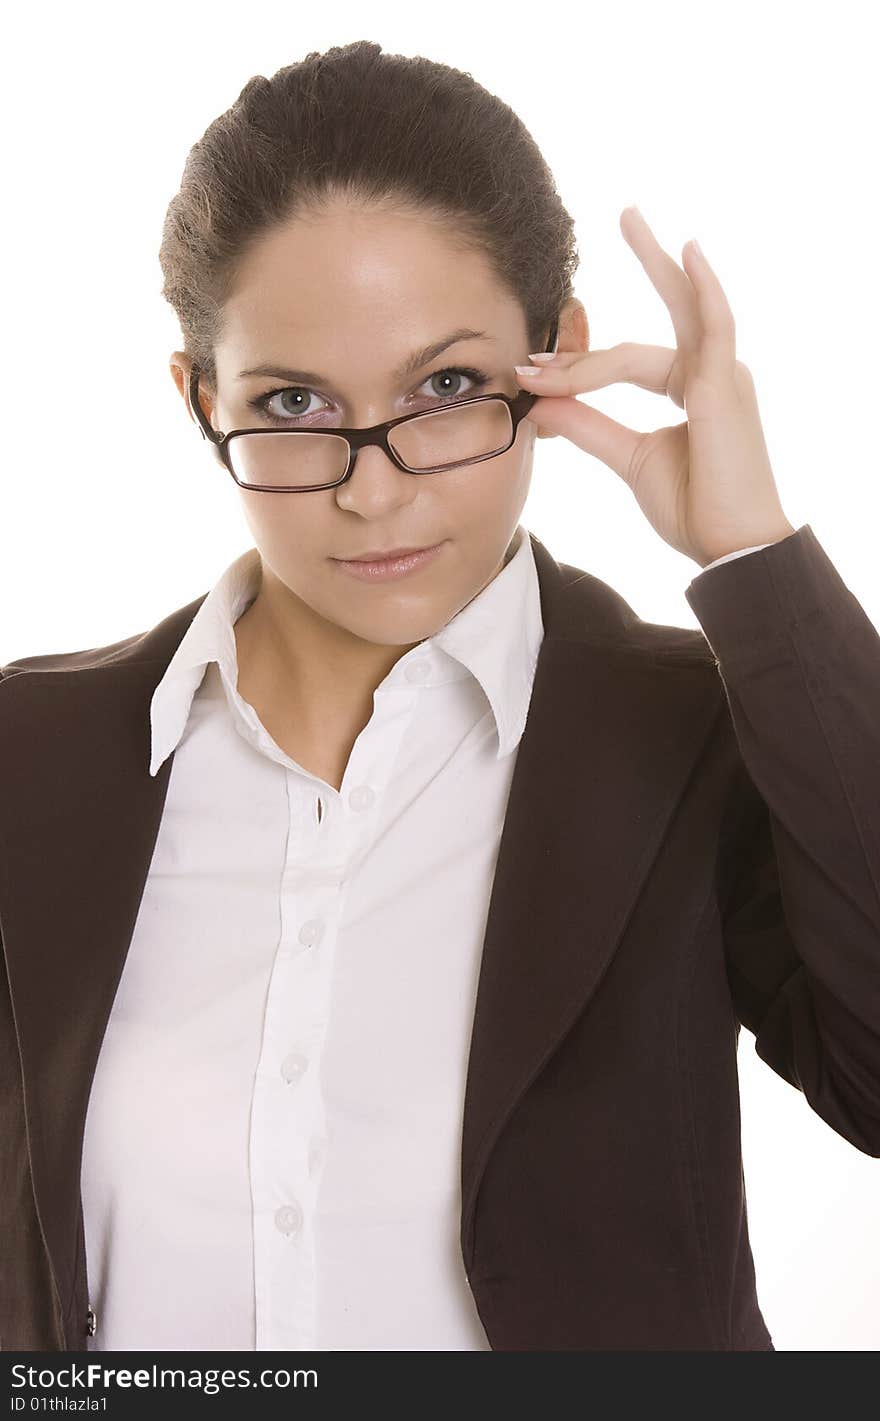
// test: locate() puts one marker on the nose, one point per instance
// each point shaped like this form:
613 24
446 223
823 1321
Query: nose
375 483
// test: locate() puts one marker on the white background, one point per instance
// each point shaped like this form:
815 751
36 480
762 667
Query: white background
751 127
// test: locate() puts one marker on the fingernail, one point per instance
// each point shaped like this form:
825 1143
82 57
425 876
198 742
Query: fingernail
544 356
528 370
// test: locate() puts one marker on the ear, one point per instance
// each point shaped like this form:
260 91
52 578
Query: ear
180 366
573 335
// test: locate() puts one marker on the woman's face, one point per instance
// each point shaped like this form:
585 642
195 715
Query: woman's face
351 295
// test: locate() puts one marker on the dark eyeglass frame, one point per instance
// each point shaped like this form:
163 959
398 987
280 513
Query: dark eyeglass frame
519 405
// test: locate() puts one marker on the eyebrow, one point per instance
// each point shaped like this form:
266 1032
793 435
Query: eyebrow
410 366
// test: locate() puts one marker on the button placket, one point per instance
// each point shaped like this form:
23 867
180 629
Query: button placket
288 1131
287 1115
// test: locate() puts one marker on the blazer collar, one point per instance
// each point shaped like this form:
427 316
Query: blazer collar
619 712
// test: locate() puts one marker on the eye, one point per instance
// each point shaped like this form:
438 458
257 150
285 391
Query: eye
299 397
298 411
477 379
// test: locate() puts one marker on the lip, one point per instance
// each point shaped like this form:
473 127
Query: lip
397 564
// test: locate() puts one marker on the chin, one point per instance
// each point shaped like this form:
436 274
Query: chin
405 625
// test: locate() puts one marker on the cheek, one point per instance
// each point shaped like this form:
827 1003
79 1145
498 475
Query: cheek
510 483
487 492
288 528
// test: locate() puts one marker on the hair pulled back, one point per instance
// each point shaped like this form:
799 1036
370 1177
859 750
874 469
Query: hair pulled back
355 122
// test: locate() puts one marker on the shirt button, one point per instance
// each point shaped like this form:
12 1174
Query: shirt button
418 671
311 932
362 797
288 1219
294 1066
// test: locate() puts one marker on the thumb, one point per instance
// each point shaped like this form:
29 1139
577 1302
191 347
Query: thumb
594 432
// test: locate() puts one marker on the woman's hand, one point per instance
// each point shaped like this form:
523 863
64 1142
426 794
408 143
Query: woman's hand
706 484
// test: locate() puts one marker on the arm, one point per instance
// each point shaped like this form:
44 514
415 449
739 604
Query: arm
800 663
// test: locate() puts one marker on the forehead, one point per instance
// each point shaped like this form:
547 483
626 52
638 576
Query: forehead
357 277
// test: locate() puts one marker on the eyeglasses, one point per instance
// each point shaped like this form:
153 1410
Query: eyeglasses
459 433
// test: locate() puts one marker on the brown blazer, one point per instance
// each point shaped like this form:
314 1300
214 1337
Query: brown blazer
692 843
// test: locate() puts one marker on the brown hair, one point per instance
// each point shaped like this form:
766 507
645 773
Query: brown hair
384 128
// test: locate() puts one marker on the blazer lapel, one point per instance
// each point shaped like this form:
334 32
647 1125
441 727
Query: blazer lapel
610 740
79 823
603 760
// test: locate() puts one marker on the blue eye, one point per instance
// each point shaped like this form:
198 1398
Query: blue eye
477 378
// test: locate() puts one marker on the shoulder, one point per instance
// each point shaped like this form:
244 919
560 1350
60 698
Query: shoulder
150 648
589 612
61 661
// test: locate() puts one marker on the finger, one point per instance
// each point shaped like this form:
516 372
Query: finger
665 275
592 431
717 348
576 372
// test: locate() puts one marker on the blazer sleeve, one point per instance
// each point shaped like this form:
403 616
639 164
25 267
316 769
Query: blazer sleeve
800 664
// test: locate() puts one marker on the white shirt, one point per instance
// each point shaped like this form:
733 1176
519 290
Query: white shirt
272 1146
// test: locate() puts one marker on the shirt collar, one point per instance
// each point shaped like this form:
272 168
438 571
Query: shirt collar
495 638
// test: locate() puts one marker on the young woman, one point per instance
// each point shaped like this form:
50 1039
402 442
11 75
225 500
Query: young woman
408 890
